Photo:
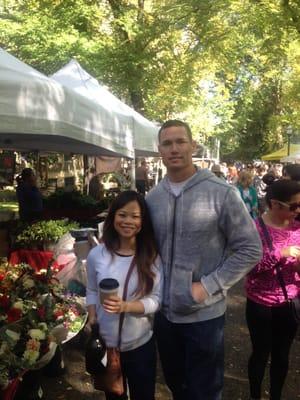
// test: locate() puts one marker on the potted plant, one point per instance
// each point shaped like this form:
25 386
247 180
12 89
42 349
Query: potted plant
74 205
43 235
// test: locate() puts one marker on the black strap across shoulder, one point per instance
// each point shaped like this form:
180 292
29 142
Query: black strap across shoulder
124 297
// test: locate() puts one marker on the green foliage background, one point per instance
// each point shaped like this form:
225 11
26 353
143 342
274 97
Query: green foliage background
228 67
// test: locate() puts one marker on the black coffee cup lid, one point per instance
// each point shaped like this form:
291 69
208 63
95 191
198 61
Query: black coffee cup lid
109 284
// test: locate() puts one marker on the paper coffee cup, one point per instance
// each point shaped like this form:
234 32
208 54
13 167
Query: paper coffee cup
108 287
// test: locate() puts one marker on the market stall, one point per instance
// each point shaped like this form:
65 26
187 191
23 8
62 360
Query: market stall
74 77
38 113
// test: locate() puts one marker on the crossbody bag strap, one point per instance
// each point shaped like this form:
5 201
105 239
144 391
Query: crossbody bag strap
266 233
124 297
269 242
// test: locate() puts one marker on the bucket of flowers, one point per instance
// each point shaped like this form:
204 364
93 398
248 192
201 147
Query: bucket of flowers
36 315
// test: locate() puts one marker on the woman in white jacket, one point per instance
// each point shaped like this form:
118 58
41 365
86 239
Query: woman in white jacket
128 234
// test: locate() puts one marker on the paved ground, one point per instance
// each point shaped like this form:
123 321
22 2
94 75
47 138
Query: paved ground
75 384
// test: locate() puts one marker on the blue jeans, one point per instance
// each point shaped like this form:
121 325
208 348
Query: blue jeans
139 370
192 357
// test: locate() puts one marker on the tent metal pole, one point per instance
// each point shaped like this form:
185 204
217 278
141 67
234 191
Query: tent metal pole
132 174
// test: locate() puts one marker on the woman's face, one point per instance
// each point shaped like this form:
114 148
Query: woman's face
289 209
128 220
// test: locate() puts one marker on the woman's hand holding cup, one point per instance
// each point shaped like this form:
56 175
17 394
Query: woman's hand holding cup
114 305
109 298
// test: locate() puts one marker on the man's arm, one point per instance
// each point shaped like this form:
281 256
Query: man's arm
243 242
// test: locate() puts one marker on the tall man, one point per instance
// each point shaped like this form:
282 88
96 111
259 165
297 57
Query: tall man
207 242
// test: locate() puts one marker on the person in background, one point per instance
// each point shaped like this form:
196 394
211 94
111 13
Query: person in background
292 172
29 197
260 187
248 192
141 178
127 235
96 187
216 169
224 169
232 176
251 168
207 242
270 322
276 169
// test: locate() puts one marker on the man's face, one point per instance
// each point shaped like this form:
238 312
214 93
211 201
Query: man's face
176 148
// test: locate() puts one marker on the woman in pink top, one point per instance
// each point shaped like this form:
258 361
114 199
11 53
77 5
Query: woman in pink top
271 325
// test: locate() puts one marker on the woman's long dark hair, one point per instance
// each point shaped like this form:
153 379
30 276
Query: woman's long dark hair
281 190
146 249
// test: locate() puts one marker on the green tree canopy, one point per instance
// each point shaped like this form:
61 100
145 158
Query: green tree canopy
229 68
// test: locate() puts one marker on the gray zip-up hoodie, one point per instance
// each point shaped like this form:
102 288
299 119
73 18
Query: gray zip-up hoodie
205 234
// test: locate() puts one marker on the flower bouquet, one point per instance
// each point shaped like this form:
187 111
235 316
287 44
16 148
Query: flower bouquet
35 316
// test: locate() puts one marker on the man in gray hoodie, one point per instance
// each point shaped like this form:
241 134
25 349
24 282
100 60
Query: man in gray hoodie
207 242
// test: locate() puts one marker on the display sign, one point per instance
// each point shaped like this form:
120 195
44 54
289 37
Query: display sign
7 168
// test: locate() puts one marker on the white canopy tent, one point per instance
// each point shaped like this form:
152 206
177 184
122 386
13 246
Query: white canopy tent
75 77
38 113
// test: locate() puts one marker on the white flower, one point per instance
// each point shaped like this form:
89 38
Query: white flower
36 334
43 271
43 326
31 356
28 283
72 316
19 305
13 335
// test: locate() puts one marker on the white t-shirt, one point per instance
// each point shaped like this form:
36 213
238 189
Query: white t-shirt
137 328
176 187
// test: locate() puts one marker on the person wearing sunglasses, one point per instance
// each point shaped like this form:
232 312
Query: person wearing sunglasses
270 322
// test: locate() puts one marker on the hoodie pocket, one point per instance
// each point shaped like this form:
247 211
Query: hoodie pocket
181 299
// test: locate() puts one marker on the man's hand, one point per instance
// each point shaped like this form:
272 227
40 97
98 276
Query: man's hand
198 292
